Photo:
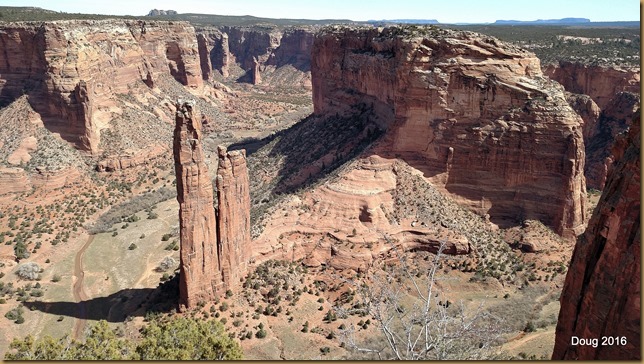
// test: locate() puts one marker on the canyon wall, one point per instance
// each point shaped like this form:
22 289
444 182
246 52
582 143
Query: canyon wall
215 245
614 91
71 69
601 294
475 115
601 83
258 53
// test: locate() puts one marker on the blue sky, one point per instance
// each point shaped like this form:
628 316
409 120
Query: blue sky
445 11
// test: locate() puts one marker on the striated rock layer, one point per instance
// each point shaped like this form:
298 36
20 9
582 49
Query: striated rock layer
200 277
601 83
606 98
233 214
214 244
475 115
72 69
601 295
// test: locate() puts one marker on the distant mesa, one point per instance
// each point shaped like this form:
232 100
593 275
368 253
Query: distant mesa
156 12
543 21
406 21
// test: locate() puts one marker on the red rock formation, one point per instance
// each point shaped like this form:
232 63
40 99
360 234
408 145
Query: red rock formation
233 215
474 114
599 136
588 110
257 77
601 295
601 83
200 277
268 49
70 69
214 246
214 51
615 93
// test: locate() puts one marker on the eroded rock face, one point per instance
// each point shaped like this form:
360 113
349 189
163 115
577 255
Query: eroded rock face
601 295
613 120
71 69
606 98
200 277
259 52
475 115
233 214
601 83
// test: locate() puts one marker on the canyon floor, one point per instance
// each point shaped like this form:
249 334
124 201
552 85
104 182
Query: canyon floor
336 220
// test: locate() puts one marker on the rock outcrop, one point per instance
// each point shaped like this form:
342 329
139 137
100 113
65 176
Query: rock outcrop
214 244
601 294
475 115
200 277
233 214
71 70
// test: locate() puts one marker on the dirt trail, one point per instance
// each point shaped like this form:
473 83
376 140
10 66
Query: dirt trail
80 295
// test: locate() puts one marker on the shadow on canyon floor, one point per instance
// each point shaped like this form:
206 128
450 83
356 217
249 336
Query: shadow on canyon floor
311 150
118 306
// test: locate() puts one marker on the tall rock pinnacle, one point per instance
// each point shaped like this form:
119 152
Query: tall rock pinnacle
199 268
233 214
214 246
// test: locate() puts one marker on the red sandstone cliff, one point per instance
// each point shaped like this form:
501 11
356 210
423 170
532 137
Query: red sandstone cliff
601 83
200 277
259 52
614 93
601 295
233 215
475 115
72 69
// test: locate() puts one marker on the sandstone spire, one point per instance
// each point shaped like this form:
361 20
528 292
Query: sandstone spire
233 214
199 268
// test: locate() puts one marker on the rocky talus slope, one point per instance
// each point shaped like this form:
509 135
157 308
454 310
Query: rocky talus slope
475 115
601 295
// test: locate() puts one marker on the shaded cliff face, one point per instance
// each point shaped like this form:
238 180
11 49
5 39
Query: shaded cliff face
71 69
613 120
200 275
476 116
601 295
263 55
606 98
